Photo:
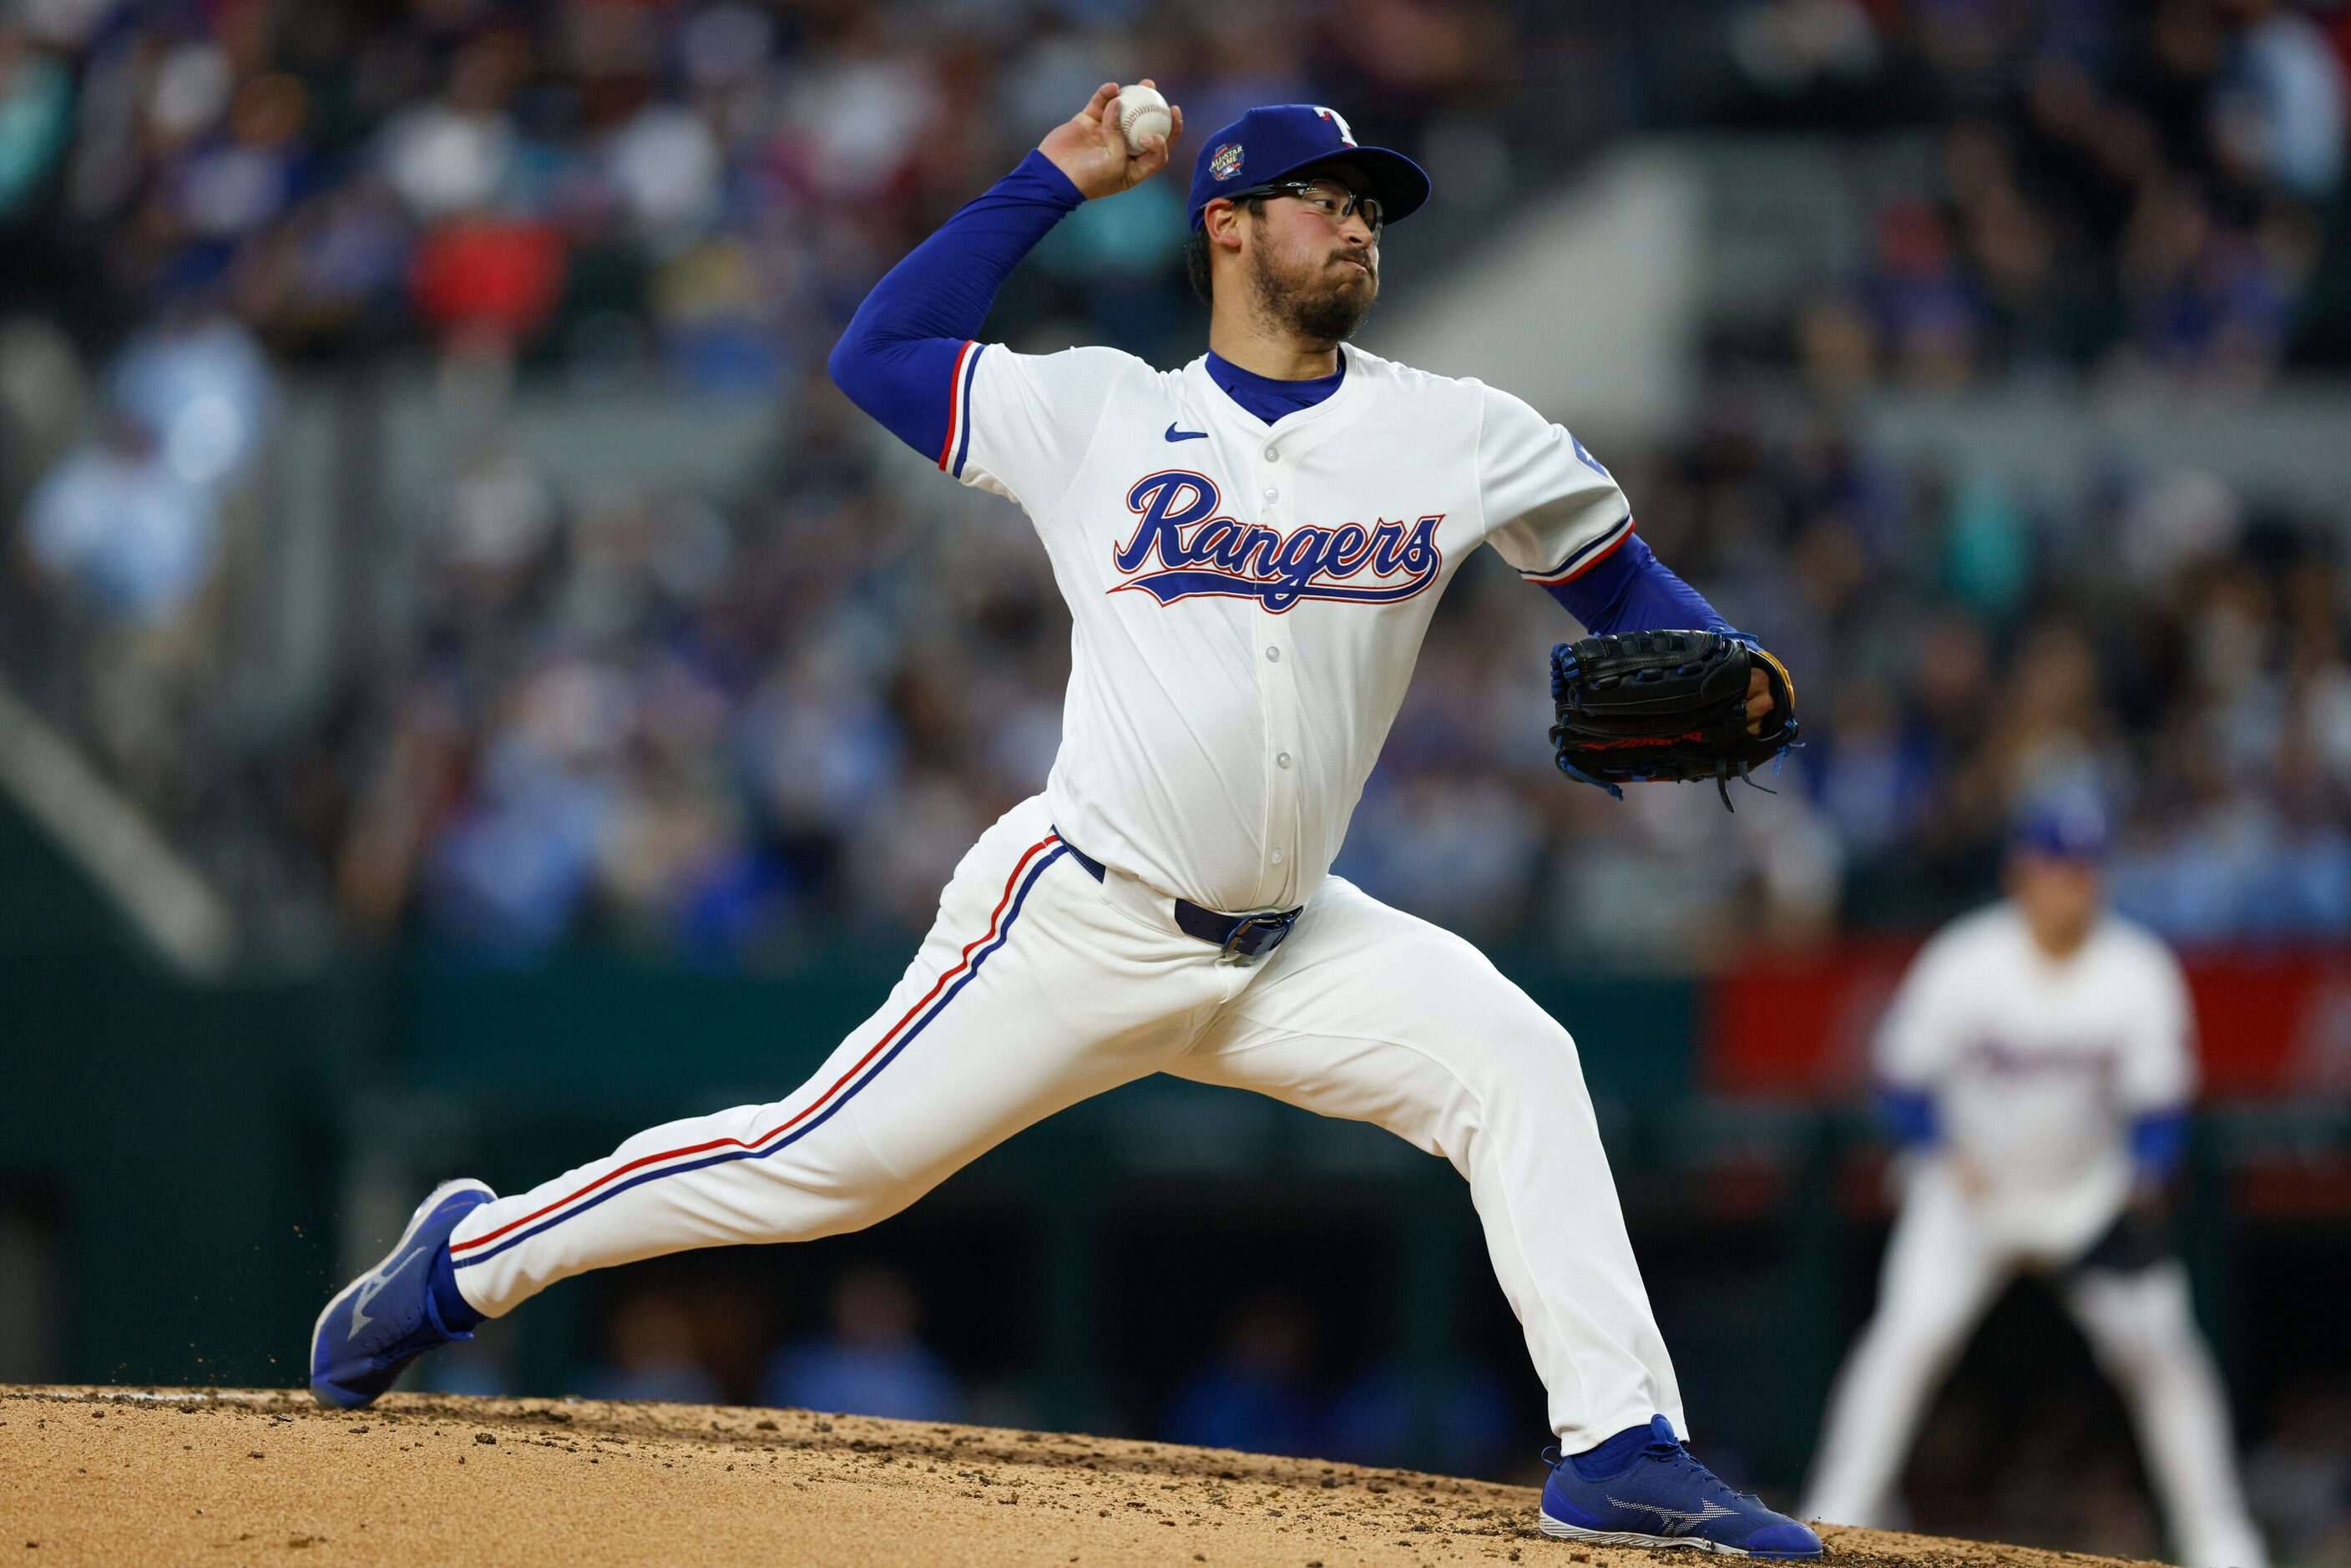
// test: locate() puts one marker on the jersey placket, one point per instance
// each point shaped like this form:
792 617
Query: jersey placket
1275 473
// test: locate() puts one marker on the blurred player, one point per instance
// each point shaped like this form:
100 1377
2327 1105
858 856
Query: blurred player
2037 1065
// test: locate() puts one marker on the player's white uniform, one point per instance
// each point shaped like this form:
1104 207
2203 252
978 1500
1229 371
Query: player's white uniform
1249 601
2037 1068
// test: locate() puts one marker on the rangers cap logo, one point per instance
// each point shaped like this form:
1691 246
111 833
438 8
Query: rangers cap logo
1335 118
1225 160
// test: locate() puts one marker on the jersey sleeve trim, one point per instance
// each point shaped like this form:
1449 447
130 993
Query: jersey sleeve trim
1584 557
958 445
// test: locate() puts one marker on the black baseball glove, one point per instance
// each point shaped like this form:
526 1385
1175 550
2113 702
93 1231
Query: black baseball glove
1664 706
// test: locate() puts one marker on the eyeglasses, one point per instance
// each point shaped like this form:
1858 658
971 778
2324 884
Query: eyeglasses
1330 198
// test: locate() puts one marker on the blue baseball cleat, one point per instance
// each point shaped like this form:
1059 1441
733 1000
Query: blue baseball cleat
387 1317
1658 1495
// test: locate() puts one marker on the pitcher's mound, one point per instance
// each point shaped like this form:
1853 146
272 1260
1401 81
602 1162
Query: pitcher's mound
169 1476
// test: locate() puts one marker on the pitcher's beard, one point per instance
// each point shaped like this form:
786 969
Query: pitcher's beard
1322 306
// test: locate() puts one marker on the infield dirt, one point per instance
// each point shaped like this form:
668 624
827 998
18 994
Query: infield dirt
122 1476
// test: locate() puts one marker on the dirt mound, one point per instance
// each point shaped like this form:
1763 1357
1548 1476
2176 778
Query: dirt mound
168 1476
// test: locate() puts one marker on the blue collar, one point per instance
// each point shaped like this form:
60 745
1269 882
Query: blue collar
1267 398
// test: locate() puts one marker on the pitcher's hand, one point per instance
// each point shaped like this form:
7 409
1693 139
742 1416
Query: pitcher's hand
1091 150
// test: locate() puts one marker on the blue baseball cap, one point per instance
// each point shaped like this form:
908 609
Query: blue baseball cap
1283 140
2071 826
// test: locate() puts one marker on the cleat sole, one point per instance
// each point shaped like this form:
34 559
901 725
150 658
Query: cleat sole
1560 1530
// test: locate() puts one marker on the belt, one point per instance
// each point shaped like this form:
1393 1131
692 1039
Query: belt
1233 936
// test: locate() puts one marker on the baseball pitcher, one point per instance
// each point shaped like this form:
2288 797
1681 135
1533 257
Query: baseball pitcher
2037 1062
1251 547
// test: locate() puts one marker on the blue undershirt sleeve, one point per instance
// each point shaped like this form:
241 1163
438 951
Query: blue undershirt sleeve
1909 1114
1630 589
897 360
2158 1143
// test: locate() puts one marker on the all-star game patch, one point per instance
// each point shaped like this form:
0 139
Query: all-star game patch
1225 160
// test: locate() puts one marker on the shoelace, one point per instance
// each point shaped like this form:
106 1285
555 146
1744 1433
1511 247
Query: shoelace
1681 1453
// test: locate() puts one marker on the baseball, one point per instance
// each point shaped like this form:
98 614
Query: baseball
1141 112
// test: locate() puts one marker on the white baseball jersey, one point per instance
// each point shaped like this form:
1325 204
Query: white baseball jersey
1247 602
1248 599
2039 1066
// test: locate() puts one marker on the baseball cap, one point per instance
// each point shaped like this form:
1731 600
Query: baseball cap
1283 140
2065 827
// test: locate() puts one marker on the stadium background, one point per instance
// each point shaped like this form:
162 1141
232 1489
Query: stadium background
472 688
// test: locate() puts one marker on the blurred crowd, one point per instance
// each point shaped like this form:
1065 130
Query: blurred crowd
2139 189
706 185
724 723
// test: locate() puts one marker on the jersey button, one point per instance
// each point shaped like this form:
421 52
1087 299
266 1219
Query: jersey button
1282 760
1277 857
1271 494
1273 455
1274 654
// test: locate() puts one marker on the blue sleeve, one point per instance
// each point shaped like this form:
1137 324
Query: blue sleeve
1630 589
899 357
1909 1114
2159 1142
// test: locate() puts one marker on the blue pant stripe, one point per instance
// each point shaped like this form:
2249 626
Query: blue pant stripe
813 1123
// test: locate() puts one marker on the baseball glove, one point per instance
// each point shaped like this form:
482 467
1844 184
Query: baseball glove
1664 706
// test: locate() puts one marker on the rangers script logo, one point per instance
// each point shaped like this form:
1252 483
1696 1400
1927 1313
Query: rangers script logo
1199 551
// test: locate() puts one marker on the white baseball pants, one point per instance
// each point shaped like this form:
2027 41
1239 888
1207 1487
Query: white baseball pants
1039 986
1942 1273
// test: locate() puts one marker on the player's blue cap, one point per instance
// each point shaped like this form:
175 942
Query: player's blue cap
1284 139
2071 826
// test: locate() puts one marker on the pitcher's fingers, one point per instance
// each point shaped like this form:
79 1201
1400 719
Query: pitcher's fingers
1101 100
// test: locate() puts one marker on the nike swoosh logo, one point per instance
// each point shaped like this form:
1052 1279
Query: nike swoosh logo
1176 434
375 1286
